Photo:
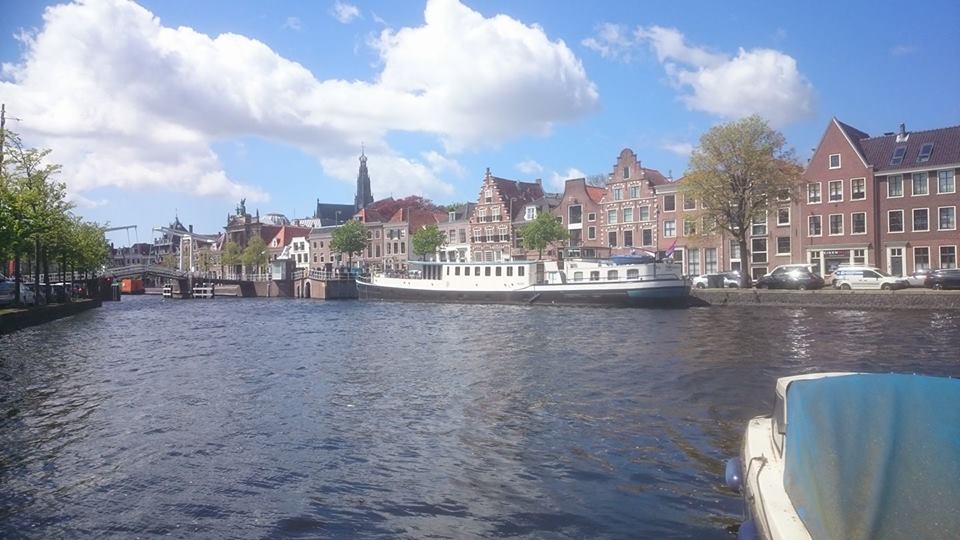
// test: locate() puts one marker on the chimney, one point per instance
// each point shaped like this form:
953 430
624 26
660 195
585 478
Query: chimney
539 181
190 228
903 135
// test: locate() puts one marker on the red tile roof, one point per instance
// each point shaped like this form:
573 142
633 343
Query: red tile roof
521 191
595 193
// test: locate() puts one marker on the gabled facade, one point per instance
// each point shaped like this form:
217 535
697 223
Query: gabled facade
456 229
500 206
579 209
628 209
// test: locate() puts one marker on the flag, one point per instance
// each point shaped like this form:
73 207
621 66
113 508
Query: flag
670 250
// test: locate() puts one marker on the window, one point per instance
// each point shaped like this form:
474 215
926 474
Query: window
530 214
921 258
689 203
452 216
633 273
759 248
898 155
813 193
895 221
693 262
689 227
481 217
486 271
618 193
634 192
948 256
626 172
734 250
628 215
921 184
595 275
783 245
669 203
490 238
592 216
495 213
612 275
834 161
488 195
520 270
591 233
709 260
646 237
946 182
669 228
462 236
612 238
477 237
948 218
858 222
783 216
509 271
858 189
859 256
499 271
836 191
644 213
504 235
403 247
611 217
921 219
575 214
894 186
627 238
925 152
759 225
836 224
578 276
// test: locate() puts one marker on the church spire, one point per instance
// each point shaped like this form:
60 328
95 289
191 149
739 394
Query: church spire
364 197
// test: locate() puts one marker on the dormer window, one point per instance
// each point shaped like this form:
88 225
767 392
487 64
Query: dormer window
898 155
834 161
925 152
531 213
452 216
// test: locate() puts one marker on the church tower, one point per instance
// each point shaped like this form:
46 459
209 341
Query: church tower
363 197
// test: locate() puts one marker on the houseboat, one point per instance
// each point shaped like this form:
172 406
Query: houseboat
626 283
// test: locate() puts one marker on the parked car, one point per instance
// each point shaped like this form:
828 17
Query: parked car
790 277
917 278
729 279
945 278
866 277
7 293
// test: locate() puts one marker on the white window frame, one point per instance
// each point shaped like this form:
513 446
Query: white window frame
591 232
625 210
754 252
889 176
852 230
913 221
634 192
954 181
591 219
673 224
687 199
940 256
913 192
640 210
530 213
915 248
618 193
819 193
853 196
903 224
830 225
488 195
665 202
784 253
954 208
830 161
809 228
830 191
765 222
612 212
780 223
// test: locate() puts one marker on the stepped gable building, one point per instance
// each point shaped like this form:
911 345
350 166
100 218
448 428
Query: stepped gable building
500 205
628 210
579 210
888 201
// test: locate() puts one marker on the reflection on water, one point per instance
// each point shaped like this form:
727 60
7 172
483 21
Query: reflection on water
253 418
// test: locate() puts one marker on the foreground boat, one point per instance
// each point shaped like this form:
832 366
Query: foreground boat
578 282
851 455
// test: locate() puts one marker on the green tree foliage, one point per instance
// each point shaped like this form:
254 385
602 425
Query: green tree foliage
428 240
543 231
349 238
232 254
255 254
740 171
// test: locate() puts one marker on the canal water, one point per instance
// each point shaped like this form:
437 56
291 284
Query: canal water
260 418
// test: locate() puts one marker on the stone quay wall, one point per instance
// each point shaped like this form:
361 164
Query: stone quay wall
829 298
21 318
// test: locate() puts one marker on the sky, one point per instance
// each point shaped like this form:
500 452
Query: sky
168 108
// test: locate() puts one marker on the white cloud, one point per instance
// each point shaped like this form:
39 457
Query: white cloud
903 50
440 164
293 23
344 12
757 81
557 180
679 148
83 202
125 101
612 41
529 167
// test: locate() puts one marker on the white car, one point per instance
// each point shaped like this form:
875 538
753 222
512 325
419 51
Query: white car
866 277
731 280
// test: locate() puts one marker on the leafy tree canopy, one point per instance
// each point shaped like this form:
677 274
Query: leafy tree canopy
428 240
349 238
546 229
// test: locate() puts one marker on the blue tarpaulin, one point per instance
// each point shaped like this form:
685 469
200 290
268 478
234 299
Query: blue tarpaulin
875 456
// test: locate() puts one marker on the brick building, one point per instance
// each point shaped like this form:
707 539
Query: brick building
578 209
628 210
502 206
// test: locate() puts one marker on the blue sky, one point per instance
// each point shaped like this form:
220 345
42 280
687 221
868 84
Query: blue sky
184 107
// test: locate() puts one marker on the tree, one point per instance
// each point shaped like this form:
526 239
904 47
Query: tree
428 240
546 229
232 254
388 207
739 172
349 238
255 254
598 180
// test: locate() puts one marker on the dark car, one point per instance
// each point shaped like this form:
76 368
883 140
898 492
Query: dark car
790 278
945 278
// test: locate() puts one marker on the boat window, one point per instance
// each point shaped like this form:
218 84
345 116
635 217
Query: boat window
612 275
633 273
595 275
466 270
578 276
456 271
520 270
499 271
509 271
448 270
486 271
476 270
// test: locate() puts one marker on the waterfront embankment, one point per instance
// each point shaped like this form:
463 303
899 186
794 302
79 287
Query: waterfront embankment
15 319
829 298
